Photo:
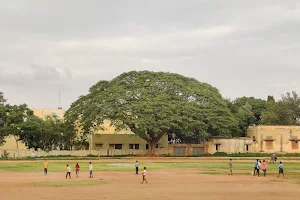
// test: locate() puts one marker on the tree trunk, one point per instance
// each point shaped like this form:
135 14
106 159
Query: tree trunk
152 146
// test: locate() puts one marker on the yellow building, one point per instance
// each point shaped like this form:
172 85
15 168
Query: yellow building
232 145
42 113
272 139
12 143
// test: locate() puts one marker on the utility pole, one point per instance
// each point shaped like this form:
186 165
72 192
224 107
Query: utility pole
59 107
281 142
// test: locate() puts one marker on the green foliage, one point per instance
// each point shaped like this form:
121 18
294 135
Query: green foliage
248 111
284 112
47 134
153 104
11 118
19 121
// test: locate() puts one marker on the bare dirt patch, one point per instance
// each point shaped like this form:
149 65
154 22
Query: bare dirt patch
172 184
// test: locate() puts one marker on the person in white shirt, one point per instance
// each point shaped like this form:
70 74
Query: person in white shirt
68 171
144 176
91 170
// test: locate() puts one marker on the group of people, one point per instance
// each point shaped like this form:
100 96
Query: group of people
68 174
258 166
77 168
137 164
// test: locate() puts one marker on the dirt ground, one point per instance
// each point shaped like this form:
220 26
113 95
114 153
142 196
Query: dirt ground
172 184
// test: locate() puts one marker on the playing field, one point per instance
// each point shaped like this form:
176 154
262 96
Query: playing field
186 178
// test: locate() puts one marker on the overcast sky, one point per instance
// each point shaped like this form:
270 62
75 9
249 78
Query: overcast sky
244 48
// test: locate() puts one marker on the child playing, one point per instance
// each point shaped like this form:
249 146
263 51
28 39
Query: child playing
144 176
68 172
230 167
264 167
281 169
77 167
91 170
137 164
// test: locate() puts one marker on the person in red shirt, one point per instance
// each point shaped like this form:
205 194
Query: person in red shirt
77 167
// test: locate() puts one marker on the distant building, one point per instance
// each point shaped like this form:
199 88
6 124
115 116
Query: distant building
42 113
272 139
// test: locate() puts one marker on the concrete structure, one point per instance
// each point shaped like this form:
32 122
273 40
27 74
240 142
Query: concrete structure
272 139
232 145
12 143
186 149
125 142
80 153
42 113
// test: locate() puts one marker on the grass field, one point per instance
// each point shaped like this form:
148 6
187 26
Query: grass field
292 169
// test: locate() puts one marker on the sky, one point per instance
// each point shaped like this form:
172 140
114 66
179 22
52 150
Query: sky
243 48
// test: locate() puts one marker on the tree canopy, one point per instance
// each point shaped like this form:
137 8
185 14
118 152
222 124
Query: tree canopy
248 111
284 112
19 121
153 104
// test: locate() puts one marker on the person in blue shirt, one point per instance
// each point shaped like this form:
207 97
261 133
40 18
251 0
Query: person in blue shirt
281 169
137 164
256 168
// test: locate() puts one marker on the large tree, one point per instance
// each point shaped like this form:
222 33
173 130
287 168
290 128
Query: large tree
153 104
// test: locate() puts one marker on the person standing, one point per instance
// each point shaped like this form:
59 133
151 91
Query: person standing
137 164
45 167
230 167
256 168
91 170
77 167
32 155
68 171
264 167
281 169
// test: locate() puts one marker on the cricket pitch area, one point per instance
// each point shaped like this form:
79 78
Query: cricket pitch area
164 182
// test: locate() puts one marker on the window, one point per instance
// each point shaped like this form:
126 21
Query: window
99 145
147 146
118 146
218 147
269 144
254 139
134 146
295 145
247 147
269 138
